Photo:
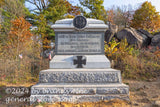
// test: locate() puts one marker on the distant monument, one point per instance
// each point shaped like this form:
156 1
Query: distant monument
79 72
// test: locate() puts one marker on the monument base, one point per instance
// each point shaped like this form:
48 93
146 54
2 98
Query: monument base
76 76
78 93
79 85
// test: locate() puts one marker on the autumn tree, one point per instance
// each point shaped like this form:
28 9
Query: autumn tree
146 17
72 11
10 10
111 15
20 42
19 36
1 3
93 9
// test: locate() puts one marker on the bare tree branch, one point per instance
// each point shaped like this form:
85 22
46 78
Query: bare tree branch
40 4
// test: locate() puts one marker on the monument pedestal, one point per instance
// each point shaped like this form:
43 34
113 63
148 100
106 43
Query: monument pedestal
79 85
76 93
92 62
79 72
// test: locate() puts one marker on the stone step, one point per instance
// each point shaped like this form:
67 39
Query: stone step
84 89
75 93
74 76
92 61
75 98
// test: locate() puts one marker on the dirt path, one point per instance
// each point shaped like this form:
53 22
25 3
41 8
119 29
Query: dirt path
142 94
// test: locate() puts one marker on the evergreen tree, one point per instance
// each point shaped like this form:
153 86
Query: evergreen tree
46 12
93 9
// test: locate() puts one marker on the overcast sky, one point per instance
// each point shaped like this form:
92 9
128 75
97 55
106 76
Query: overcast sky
133 3
109 3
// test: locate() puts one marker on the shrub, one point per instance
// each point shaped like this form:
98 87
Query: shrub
134 63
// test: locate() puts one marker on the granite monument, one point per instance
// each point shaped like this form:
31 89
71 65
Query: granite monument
79 72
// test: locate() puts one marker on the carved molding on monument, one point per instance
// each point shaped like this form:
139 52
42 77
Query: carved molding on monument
80 76
67 25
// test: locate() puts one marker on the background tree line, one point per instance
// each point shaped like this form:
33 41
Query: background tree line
46 12
27 32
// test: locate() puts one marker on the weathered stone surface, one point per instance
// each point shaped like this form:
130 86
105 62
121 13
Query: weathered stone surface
112 91
108 36
60 91
79 43
80 76
92 62
75 98
79 89
122 97
157 104
110 33
156 40
132 36
146 35
113 28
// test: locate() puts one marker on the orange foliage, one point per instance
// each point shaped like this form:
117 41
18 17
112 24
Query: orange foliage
2 3
20 29
110 16
157 52
19 38
46 43
72 10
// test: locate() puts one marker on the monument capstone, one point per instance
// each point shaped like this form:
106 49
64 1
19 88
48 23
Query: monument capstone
79 72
